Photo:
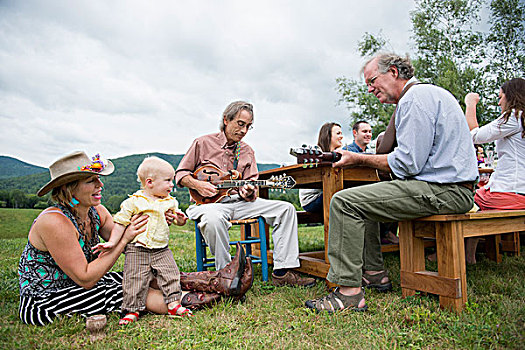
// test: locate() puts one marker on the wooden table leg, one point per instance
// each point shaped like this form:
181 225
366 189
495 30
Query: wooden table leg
510 243
412 255
492 248
332 183
451 263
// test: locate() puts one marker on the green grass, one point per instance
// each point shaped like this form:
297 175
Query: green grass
275 317
15 223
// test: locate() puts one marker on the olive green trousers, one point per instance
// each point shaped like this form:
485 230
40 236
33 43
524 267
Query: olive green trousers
354 243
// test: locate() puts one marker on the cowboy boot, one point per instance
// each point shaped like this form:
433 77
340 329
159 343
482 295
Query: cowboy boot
199 300
246 280
226 281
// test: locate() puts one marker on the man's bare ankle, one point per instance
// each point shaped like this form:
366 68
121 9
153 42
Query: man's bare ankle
349 291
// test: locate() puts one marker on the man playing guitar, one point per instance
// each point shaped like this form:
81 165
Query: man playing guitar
226 151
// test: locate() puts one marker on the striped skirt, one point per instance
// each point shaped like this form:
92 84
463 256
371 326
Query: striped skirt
104 297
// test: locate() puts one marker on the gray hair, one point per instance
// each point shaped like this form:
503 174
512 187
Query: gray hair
387 60
233 109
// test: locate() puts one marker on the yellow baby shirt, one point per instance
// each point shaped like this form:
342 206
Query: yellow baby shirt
157 230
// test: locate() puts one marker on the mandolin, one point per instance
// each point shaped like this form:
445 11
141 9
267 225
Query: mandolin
226 181
312 156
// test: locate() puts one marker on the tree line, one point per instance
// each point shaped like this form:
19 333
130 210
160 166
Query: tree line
19 199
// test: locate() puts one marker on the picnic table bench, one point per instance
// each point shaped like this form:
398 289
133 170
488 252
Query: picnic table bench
449 231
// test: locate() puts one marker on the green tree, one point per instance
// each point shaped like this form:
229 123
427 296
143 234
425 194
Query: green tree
113 202
450 54
17 199
506 41
354 94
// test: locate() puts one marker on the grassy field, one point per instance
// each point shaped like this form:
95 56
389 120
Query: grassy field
275 317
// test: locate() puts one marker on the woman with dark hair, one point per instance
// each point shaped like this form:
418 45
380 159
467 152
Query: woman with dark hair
59 274
506 186
330 138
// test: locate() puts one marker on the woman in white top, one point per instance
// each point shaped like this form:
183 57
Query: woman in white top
506 187
330 138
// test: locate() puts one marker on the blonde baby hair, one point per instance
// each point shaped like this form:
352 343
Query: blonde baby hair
149 169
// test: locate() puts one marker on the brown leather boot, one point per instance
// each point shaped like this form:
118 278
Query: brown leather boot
246 280
226 281
199 300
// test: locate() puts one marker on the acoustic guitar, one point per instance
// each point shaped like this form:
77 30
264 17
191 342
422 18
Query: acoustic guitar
225 182
313 156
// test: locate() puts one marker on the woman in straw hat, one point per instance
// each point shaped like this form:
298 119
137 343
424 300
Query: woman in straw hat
60 275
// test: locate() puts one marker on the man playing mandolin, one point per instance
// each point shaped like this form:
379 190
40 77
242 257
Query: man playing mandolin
216 156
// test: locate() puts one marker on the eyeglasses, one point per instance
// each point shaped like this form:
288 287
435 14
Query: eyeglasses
371 81
243 125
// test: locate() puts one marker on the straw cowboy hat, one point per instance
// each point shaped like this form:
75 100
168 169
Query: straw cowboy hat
75 166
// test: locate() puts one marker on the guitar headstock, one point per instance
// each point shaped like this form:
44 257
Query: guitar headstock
282 181
312 156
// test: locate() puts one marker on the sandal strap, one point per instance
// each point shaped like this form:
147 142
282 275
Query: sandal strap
375 279
180 310
129 319
336 301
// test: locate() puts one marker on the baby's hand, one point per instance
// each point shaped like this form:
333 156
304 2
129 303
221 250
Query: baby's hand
180 218
103 247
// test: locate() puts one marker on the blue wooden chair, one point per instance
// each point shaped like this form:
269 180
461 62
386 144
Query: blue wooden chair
248 237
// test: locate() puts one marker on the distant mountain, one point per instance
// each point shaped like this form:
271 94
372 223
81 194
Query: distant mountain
12 167
122 182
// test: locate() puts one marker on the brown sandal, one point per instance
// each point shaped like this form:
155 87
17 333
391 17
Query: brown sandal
336 301
374 281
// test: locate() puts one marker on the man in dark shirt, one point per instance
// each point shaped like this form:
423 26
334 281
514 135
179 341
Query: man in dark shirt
362 136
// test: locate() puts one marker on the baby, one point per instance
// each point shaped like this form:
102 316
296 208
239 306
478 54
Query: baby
149 251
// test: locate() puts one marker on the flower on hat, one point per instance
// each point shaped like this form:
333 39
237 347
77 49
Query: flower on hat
96 166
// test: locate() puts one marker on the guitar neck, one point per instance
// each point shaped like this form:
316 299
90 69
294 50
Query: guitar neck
240 183
314 156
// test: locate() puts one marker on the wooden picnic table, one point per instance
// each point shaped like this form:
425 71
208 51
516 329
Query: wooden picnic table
331 180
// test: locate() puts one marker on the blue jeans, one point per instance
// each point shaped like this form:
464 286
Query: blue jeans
316 206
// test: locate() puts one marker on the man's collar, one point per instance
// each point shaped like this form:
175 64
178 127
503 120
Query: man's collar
223 140
362 150
411 80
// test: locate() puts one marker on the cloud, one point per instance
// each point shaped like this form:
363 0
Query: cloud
126 77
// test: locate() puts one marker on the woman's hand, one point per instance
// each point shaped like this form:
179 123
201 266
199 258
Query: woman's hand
472 99
103 247
136 227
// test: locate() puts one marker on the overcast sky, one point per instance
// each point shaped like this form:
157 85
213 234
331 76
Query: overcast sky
126 77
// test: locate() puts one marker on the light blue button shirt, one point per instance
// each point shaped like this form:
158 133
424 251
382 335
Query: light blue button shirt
433 139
